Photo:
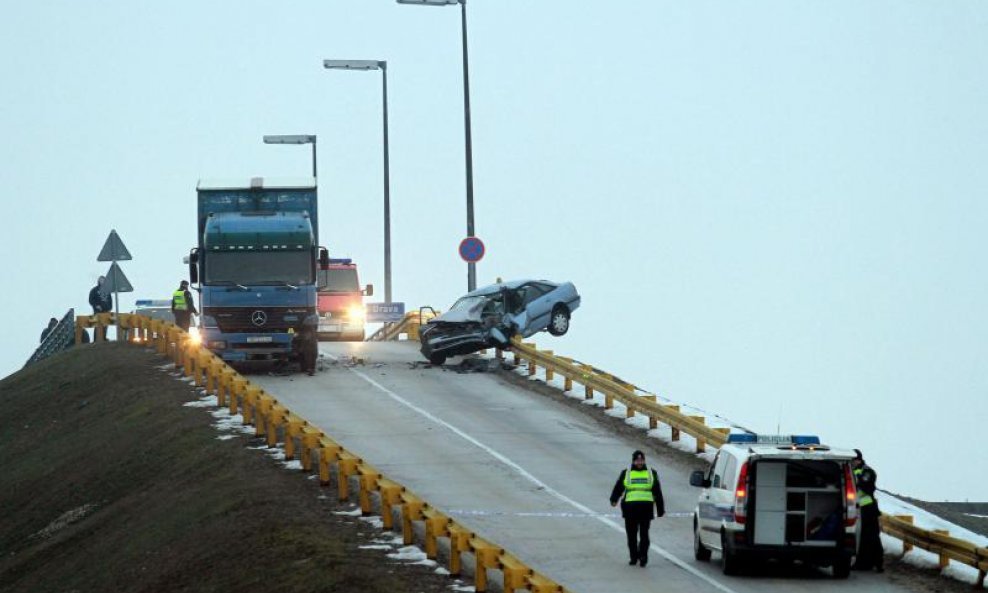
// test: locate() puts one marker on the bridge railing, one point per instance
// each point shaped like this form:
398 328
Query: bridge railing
939 542
317 451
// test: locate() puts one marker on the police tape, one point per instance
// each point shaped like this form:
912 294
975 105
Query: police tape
552 515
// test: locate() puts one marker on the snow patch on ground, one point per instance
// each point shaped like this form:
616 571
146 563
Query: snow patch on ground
294 464
353 513
375 522
209 401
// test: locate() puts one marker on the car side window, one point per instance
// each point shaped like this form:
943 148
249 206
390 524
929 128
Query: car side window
729 470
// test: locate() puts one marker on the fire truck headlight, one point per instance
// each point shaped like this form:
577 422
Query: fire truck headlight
356 313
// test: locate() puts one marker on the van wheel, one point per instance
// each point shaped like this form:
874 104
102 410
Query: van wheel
842 567
437 359
700 552
732 564
559 320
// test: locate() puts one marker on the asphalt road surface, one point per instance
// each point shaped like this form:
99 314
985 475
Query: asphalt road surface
523 470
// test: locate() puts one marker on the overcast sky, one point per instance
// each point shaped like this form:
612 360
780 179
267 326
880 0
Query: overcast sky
775 211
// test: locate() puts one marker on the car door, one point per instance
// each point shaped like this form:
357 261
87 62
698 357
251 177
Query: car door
537 307
708 519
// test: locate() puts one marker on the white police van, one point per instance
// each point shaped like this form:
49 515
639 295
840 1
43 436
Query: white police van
773 496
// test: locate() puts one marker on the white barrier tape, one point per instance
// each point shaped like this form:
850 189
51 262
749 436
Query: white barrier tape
555 515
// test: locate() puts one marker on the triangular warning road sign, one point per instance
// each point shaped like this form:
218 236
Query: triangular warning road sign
116 281
113 249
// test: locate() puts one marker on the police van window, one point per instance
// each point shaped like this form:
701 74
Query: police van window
730 468
718 470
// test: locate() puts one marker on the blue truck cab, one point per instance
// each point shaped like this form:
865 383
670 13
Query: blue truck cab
255 268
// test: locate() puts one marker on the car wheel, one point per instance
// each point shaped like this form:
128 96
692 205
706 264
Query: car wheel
700 552
842 567
559 320
437 359
732 564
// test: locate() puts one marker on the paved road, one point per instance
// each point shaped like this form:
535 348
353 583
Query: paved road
527 472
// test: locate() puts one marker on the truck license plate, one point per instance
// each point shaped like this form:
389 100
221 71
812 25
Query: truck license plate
258 339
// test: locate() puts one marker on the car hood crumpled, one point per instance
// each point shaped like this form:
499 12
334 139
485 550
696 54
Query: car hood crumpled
472 314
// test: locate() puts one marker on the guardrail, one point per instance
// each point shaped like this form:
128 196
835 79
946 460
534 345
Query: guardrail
409 325
59 338
315 449
938 542
593 379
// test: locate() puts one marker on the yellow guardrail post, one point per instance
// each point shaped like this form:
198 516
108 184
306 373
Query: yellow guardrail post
549 373
273 418
390 496
368 483
459 542
701 443
329 452
310 440
411 510
514 571
262 405
435 527
346 466
485 556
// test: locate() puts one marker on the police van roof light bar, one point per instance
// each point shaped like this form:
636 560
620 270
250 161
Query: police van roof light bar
772 439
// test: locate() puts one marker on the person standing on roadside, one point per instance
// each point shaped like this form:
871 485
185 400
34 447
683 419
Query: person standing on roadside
182 306
100 298
642 501
871 553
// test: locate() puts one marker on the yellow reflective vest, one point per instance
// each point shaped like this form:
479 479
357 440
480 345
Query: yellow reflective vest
638 485
864 499
178 301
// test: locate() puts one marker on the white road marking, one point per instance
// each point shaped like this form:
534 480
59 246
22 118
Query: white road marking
542 485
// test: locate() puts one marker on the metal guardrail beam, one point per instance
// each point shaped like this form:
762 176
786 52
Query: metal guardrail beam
625 393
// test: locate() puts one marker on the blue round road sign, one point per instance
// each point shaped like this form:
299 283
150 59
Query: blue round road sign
472 249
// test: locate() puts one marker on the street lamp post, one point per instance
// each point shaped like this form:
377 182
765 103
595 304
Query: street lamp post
383 67
296 139
471 266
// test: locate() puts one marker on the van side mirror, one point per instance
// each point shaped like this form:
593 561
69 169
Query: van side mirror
369 291
193 269
323 257
697 479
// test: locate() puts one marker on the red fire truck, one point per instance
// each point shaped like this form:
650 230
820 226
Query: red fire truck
341 302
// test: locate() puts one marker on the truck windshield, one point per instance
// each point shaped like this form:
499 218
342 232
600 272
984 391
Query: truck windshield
344 280
292 267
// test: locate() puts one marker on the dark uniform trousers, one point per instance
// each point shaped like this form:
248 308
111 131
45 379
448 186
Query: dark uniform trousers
637 532
871 553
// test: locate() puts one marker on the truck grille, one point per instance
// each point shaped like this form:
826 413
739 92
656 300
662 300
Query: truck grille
258 319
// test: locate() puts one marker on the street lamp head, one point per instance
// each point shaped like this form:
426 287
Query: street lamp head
290 139
354 64
431 2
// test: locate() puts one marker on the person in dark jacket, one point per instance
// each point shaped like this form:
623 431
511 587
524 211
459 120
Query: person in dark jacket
641 494
871 553
182 306
51 325
100 298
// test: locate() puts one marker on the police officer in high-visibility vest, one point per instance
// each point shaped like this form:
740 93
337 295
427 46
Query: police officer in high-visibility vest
871 553
642 493
182 306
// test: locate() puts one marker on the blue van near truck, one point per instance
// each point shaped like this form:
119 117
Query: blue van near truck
255 268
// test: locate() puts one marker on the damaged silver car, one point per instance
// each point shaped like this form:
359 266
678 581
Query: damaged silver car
489 317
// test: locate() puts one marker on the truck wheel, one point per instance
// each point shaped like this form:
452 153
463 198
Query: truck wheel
732 564
559 320
437 359
842 567
700 552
